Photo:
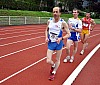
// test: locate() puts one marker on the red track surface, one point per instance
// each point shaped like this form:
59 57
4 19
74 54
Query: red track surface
21 46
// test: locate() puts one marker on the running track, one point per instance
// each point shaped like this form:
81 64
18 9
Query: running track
23 58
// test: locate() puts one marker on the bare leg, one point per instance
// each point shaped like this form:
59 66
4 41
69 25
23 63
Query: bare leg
58 56
49 56
85 41
68 45
75 48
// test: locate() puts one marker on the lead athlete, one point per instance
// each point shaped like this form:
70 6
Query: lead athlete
88 25
75 26
54 38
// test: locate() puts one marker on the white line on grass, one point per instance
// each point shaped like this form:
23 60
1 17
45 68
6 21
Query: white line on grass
75 73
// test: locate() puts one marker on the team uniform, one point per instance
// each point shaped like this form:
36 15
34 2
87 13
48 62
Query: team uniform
76 24
86 25
55 31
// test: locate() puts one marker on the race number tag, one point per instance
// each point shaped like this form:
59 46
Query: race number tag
53 37
86 25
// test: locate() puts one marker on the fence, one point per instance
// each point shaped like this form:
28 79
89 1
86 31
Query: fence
22 20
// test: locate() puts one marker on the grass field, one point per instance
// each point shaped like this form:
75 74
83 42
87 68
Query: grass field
35 14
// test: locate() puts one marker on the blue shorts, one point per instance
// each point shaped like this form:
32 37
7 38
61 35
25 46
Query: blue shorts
74 36
55 45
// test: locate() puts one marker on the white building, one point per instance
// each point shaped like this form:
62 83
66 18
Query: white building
85 3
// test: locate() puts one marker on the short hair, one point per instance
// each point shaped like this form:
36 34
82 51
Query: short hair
88 12
59 8
75 9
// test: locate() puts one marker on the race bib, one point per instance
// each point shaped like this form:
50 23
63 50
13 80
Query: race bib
86 25
53 37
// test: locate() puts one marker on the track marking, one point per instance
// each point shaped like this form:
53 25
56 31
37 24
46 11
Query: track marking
21 50
19 29
22 32
5 79
76 72
21 41
29 48
22 70
22 35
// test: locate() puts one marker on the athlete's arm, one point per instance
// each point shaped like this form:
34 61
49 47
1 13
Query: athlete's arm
46 32
65 25
92 24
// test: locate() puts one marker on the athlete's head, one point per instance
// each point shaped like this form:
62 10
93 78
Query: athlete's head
75 12
87 15
56 12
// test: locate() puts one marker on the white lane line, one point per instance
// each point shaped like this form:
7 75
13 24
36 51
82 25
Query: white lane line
76 72
94 35
17 29
21 35
33 38
21 70
21 41
5 79
21 50
21 32
21 28
30 47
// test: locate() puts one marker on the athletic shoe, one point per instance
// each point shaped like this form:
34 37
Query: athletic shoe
52 68
82 52
66 59
72 59
51 78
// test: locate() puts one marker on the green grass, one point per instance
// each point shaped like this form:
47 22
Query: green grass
35 14
23 13
97 21
29 13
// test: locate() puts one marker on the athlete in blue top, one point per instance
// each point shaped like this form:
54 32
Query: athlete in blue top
75 26
53 35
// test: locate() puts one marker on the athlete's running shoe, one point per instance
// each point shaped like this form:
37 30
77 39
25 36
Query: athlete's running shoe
82 52
66 59
72 59
52 76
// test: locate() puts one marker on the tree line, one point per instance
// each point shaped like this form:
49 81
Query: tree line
47 5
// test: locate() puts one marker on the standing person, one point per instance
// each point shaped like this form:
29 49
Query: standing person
87 26
75 26
53 34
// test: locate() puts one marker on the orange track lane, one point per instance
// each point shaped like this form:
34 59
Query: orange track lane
38 74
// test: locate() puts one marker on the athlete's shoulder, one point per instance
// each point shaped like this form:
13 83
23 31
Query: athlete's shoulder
71 18
62 20
50 19
83 18
78 19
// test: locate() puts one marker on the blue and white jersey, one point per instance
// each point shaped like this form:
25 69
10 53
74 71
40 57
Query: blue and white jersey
76 24
55 29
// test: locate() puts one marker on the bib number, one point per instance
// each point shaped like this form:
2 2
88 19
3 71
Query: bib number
84 24
53 36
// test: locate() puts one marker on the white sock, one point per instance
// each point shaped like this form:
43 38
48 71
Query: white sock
54 72
53 65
